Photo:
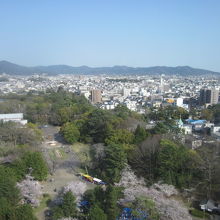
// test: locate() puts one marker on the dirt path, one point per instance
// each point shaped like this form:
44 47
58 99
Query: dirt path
63 163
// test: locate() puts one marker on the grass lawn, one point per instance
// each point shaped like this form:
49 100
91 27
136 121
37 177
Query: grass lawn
199 214
39 211
82 151
58 154
63 154
52 154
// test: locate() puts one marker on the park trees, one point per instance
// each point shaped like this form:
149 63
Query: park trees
140 134
172 112
146 205
10 207
96 196
120 136
24 212
158 159
96 213
30 190
31 162
143 158
38 111
67 208
98 125
114 162
77 188
172 164
112 196
160 128
103 202
207 114
209 180
69 205
168 159
70 132
122 111
8 188
216 112
12 133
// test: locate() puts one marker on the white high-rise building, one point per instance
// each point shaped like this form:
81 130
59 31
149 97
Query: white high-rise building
161 84
126 92
179 102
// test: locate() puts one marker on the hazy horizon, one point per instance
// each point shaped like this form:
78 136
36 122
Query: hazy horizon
62 64
125 33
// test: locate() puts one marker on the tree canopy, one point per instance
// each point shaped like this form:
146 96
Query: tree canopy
10 207
33 163
67 208
70 132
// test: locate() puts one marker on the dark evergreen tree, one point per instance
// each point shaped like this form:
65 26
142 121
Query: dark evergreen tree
96 213
112 196
10 209
8 187
140 134
114 162
25 212
33 163
69 205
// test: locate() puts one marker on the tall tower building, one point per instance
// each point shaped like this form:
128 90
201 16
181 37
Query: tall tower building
214 96
209 96
161 83
96 96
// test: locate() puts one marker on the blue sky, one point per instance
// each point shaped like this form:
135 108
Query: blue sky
111 32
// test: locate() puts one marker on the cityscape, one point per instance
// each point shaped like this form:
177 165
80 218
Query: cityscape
137 93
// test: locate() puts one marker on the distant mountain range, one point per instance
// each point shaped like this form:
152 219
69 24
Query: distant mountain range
14 69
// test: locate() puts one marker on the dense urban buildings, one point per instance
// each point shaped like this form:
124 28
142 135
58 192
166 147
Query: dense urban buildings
136 92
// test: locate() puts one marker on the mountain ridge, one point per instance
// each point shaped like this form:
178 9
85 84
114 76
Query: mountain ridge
15 69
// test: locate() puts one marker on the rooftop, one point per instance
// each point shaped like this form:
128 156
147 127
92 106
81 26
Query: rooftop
11 116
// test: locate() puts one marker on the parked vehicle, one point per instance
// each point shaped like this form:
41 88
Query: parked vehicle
91 179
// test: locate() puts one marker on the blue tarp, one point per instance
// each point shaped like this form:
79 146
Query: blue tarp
126 214
83 203
102 183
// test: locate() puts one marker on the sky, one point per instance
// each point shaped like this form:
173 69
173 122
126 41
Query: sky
137 33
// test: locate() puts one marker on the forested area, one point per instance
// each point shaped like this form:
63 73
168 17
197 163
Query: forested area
156 154
11 207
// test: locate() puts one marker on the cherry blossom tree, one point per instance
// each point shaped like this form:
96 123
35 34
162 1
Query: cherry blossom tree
30 190
162 194
77 188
